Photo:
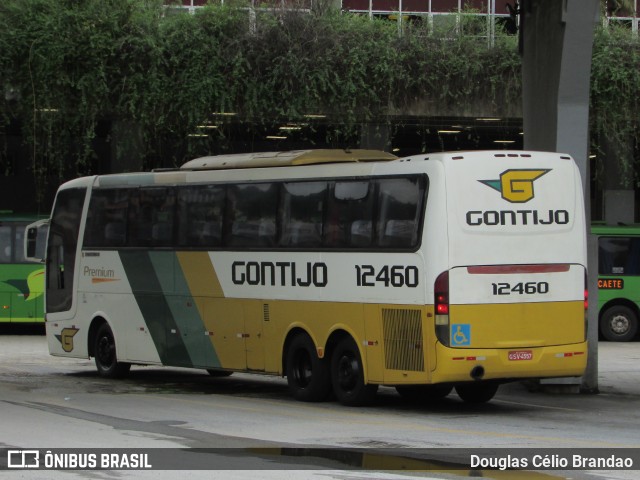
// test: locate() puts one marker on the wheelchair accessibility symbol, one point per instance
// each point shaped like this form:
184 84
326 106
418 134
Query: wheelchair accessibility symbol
460 335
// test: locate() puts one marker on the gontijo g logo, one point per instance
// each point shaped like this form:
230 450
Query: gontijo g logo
516 185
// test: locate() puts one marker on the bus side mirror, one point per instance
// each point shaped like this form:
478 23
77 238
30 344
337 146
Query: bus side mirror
35 241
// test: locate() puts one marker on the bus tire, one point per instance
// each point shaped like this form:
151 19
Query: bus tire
307 374
619 324
424 393
106 357
477 392
347 375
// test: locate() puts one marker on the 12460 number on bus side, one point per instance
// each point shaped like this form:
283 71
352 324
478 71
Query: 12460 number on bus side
389 276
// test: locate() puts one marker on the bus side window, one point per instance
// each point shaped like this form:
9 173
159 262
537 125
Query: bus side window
199 215
301 214
19 240
250 219
349 217
151 216
107 218
5 244
399 210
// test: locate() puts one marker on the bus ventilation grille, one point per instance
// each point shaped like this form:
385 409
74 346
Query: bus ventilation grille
266 314
403 339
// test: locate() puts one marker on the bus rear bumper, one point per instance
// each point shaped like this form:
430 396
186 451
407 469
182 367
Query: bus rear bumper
461 365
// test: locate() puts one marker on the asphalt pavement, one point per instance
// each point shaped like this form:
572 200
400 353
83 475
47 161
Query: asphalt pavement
619 368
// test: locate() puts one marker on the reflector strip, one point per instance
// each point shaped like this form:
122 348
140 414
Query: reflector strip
508 269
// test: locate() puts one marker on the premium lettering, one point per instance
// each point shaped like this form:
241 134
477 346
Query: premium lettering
98 272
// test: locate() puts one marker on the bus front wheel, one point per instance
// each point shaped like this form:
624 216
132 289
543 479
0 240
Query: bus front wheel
307 374
347 375
105 354
619 324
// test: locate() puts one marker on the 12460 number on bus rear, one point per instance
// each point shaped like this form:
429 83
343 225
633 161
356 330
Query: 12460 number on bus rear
520 288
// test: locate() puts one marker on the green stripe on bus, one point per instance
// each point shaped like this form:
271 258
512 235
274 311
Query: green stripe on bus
184 310
148 292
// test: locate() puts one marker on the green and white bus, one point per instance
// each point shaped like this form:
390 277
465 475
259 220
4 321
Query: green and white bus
21 282
618 281
341 270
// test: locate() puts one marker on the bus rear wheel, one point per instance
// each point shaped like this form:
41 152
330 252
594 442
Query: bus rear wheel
105 354
307 374
619 324
347 375
477 392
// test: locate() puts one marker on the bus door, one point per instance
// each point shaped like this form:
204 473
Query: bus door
62 248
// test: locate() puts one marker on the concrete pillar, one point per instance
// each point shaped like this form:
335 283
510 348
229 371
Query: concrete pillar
557 47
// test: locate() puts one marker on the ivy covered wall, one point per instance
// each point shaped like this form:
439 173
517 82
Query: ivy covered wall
69 67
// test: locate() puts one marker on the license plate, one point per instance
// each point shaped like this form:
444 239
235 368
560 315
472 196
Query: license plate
515 355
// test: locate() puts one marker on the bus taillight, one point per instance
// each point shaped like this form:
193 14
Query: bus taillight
441 304
586 299
586 296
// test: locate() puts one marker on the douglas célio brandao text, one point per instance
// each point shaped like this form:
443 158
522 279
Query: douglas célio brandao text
551 461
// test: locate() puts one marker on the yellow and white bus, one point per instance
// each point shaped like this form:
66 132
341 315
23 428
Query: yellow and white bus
341 270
